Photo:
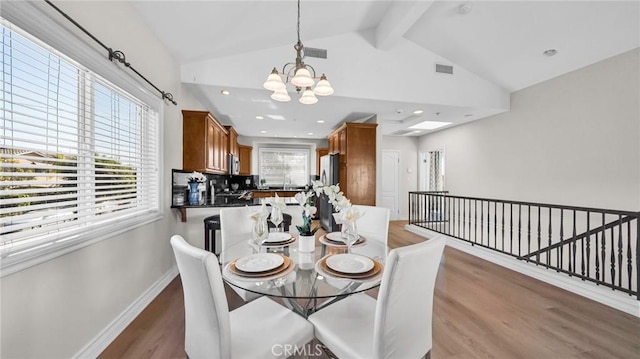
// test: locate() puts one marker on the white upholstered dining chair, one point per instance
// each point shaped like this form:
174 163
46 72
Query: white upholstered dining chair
258 329
398 324
235 227
374 223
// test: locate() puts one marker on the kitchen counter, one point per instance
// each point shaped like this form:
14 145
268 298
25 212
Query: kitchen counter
226 200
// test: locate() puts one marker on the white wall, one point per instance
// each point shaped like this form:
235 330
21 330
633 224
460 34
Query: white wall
572 140
408 176
54 309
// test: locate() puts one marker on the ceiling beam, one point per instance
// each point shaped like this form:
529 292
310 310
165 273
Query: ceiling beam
400 17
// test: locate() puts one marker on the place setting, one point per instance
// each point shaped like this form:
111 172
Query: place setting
260 266
335 239
278 239
350 266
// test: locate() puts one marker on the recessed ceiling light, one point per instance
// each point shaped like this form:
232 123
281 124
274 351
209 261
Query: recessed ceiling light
429 125
320 121
276 117
259 118
263 131
417 131
225 92
550 52
417 112
310 133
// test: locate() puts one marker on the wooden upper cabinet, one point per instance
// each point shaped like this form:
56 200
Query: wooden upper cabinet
233 141
204 146
245 159
356 143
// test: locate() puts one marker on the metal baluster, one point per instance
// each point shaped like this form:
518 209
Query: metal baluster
481 222
519 229
539 235
595 250
550 233
620 252
613 259
561 252
503 226
511 227
602 249
629 265
495 224
528 230
572 248
588 243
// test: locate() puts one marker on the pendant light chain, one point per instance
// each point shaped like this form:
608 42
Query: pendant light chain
298 74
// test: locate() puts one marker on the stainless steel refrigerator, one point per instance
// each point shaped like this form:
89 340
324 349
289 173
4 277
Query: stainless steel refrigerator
329 175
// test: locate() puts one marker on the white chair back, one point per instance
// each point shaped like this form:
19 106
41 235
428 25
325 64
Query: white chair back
404 308
374 224
207 325
235 225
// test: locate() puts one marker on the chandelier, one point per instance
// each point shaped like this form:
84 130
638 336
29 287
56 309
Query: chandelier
300 76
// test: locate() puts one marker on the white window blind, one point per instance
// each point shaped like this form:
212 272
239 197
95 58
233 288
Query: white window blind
284 166
76 152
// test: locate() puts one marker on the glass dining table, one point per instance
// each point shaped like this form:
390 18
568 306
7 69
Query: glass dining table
305 281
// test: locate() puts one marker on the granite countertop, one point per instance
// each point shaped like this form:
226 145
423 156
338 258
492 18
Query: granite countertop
234 201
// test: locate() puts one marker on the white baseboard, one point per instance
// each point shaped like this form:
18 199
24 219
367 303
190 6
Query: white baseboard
615 299
111 332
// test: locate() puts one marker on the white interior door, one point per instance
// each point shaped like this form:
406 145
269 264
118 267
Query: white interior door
423 171
390 181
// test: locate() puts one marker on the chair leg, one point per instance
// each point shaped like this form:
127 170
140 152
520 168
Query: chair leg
428 355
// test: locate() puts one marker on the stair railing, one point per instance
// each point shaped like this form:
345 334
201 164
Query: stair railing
593 244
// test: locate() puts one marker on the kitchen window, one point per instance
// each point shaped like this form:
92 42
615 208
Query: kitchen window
79 156
284 166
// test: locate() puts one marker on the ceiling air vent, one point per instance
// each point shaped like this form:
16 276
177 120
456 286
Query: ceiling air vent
444 69
313 52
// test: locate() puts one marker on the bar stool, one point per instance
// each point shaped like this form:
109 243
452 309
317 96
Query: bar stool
211 225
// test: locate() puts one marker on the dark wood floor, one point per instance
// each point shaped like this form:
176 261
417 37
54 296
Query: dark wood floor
481 310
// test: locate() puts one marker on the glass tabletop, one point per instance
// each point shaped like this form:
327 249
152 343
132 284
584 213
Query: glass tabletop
309 277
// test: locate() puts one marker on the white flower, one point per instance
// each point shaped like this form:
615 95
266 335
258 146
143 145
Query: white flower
350 214
309 210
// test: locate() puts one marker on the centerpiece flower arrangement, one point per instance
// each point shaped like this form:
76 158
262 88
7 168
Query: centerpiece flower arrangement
346 215
196 177
193 180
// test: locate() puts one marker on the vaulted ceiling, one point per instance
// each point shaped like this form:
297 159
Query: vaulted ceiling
381 56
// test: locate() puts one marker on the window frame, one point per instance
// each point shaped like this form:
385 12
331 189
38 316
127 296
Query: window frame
34 19
280 148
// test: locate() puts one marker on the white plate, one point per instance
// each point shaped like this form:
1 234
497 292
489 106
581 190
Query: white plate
259 262
336 236
278 237
349 263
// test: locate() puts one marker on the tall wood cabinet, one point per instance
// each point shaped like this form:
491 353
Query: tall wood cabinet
245 159
356 144
204 143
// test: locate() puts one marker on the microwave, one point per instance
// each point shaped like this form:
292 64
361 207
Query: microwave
234 164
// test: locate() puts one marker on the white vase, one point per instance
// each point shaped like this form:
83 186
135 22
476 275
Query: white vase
307 243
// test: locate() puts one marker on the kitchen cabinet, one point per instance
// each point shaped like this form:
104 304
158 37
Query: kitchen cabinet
204 143
356 144
245 159
233 141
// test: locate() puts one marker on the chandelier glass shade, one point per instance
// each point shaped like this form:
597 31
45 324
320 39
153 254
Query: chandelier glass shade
300 75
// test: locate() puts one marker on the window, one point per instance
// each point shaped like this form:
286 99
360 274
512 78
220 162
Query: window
284 166
78 155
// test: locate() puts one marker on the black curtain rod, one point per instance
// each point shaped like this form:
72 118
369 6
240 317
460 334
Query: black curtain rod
114 54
